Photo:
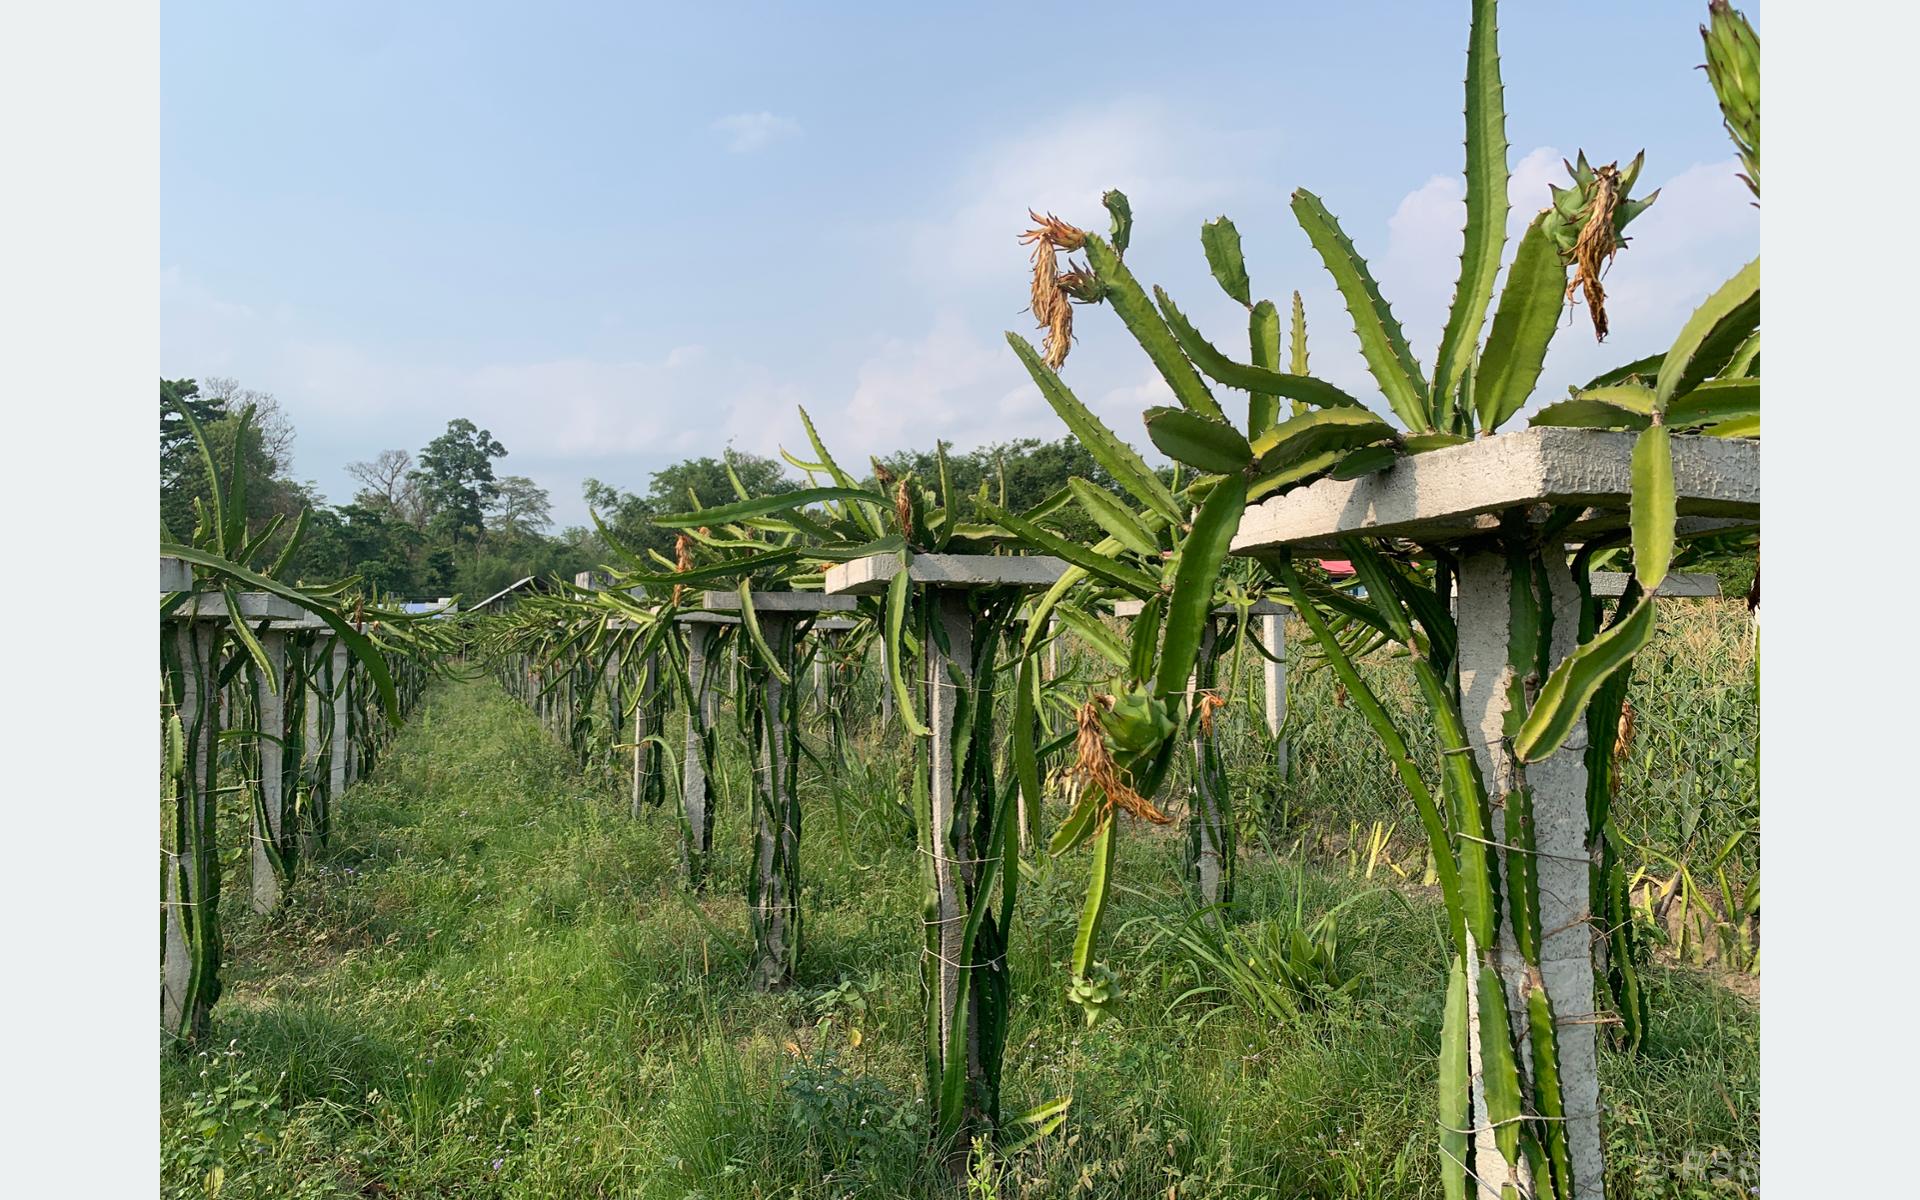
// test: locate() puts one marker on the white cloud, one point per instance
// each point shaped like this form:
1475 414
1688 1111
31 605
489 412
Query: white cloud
1418 272
1171 169
948 383
746 132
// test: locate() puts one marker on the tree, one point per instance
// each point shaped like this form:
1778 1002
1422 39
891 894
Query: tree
455 478
264 453
683 487
276 428
521 508
181 473
387 485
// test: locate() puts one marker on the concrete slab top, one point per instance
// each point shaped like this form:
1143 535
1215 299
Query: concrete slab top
1614 583
834 625
254 606
1452 494
870 576
780 602
175 575
1259 608
705 618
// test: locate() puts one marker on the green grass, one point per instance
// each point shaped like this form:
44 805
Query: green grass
492 987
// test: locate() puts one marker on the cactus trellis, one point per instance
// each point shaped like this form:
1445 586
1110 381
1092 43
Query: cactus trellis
194 650
256 637
1433 508
277 710
701 701
190 871
649 731
966 826
769 706
831 679
1519 834
340 744
306 652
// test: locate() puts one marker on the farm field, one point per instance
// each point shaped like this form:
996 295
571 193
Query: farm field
492 985
1320 768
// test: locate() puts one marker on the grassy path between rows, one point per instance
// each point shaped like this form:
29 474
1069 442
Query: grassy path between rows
491 986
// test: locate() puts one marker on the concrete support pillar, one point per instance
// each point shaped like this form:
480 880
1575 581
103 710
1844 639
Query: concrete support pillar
649 717
342 748
1562 862
311 774
953 857
773 909
1210 831
1273 634
696 842
275 808
356 728
886 683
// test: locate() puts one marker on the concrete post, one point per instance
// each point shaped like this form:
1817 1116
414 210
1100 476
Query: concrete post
960 809
342 747
649 715
696 842
774 899
269 815
1210 832
1563 860
952 872
310 751
1273 633
886 684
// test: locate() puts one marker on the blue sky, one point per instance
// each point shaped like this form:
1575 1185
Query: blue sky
619 235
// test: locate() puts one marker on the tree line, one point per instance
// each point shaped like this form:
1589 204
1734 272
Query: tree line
440 522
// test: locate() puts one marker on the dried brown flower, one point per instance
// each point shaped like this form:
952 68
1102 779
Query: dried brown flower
1594 249
1208 702
1093 764
1623 736
903 510
1048 297
682 560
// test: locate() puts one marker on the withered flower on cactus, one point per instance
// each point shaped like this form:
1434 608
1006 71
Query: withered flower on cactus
903 509
1623 734
683 559
1079 282
1051 308
1208 702
1055 232
1093 764
1586 223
